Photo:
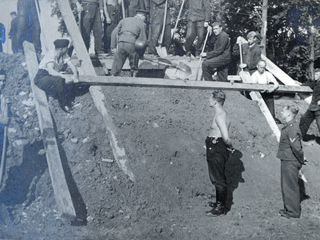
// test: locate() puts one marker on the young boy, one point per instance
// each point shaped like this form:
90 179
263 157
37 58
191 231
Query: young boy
291 154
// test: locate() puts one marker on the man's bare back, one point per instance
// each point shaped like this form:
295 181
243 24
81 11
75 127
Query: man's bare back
220 123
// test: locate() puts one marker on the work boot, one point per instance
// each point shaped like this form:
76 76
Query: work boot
219 209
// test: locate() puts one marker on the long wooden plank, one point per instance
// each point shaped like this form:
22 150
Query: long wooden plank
96 91
283 77
168 83
256 96
59 183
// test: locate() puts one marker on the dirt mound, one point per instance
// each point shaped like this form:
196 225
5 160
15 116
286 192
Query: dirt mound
163 133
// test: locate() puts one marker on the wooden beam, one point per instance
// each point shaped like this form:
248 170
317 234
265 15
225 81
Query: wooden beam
283 77
168 83
256 96
59 183
96 91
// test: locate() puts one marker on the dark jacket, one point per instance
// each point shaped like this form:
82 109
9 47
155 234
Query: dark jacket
315 95
221 47
251 55
2 33
130 29
290 146
199 10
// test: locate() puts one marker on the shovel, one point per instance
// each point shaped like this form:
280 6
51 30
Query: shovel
161 50
245 76
200 59
178 18
180 66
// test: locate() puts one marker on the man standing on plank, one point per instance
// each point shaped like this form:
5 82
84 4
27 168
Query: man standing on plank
218 146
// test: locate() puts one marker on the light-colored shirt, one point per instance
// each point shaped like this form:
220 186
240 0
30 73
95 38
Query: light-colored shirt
51 57
264 78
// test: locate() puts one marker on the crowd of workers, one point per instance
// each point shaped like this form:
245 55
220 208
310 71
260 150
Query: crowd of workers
130 36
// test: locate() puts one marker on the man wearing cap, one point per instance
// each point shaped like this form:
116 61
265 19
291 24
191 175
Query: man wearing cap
92 15
129 31
218 59
251 51
49 77
198 19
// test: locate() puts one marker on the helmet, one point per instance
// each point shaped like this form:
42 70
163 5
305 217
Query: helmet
140 45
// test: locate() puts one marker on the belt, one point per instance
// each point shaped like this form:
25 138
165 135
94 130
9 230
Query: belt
214 140
128 33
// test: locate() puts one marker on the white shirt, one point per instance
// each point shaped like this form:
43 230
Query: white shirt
51 57
264 78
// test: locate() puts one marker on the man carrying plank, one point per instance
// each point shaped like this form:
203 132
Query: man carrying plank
218 146
49 77
131 39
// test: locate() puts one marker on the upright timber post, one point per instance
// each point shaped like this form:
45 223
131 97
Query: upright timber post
96 91
59 183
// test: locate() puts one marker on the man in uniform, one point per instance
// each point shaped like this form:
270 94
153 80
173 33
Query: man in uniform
157 12
49 77
218 145
28 25
13 32
129 30
291 154
219 58
92 15
198 19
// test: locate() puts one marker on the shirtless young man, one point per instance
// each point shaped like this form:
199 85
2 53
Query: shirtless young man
218 146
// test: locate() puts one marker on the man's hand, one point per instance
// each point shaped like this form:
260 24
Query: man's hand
243 65
108 20
206 24
102 15
241 40
209 29
113 50
318 103
203 55
79 7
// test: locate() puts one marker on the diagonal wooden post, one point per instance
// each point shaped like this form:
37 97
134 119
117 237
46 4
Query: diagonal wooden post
96 91
59 183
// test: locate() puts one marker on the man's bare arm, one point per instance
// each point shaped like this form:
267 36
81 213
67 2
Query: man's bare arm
224 130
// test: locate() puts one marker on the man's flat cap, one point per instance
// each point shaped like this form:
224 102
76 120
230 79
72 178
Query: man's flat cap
61 43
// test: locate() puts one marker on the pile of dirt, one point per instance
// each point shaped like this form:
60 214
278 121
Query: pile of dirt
163 133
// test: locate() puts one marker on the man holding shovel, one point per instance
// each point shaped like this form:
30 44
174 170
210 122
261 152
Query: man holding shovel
160 31
198 20
219 58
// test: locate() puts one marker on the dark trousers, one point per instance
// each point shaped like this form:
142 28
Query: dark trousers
125 50
115 16
28 25
156 24
52 85
195 29
91 20
307 119
217 156
269 100
1 50
290 186
212 65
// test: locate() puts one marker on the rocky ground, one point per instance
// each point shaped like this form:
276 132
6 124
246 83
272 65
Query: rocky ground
163 132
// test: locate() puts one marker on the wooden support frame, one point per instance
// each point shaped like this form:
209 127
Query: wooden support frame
59 183
168 83
96 91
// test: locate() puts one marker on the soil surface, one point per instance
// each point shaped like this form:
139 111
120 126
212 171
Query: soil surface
163 133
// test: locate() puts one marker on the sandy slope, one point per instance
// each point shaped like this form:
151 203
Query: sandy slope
163 131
